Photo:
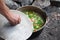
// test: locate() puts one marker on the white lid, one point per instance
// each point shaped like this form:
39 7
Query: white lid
21 31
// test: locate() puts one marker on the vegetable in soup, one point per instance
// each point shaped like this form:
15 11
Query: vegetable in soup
36 19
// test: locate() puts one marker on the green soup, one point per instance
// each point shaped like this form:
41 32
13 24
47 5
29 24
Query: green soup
36 19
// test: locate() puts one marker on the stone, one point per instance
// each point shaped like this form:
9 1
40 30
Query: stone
24 2
41 3
11 4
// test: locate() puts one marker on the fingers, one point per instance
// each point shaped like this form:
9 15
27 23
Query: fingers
19 20
14 19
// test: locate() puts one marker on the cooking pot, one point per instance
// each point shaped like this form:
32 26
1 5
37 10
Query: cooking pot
40 12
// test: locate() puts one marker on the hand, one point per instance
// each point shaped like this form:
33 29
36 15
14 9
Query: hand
14 19
5 11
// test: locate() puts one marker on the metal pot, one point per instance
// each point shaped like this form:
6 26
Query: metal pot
40 12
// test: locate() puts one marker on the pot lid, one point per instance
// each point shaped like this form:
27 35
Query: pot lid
21 31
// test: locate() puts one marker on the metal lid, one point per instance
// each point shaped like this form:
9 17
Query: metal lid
21 31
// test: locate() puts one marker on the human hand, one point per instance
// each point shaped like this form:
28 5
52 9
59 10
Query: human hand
14 19
5 11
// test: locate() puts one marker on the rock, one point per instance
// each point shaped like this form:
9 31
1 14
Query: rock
42 3
55 0
24 2
11 4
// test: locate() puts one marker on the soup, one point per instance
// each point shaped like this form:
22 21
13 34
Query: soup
36 19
